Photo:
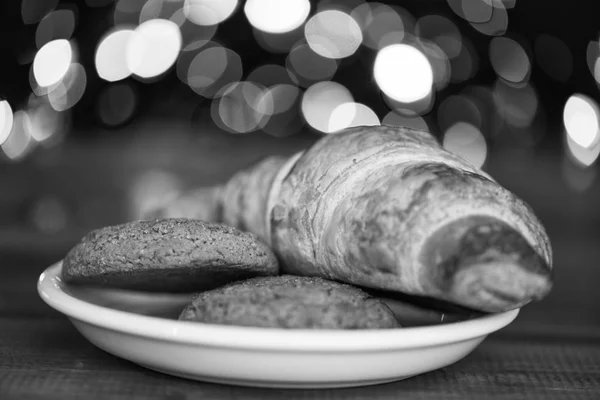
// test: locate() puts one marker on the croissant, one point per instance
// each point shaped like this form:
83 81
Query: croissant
388 208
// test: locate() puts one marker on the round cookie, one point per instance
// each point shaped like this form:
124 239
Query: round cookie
289 301
167 255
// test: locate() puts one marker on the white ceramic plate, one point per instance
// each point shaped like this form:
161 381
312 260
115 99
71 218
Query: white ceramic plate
143 329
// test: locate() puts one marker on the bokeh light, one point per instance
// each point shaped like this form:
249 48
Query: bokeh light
394 119
518 104
439 62
59 24
509 59
380 23
412 109
497 24
47 126
441 31
582 156
32 11
308 67
193 36
116 104
111 55
286 118
348 115
154 48
52 62
153 9
466 141
554 57
276 16
320 100
243 108
278 43
477 11
70 90
209 12
333 34
403 73
592 57
212 69
19 142
6 120
580 117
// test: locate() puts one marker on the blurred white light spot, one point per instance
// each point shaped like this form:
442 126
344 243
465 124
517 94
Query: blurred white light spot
353 114
581 155
477 11
380 23
333 34
116 104
212 69
276 16
466 141
70 90
403 73
193 36
111 55
320 100
394 119
33 11
412 109
442 32
18 143
59 24
45 123
554 57
308 67
52 62
278 43
6 120
509 59
151 10
280 97
497 24
154 48
209 12
517 104
440 64
580 117
242 107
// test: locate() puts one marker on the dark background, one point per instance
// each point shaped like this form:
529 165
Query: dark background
94 175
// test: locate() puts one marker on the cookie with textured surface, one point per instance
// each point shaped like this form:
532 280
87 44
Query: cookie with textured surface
167 255
288 301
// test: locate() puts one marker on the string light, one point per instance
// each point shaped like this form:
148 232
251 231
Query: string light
403 73
276 16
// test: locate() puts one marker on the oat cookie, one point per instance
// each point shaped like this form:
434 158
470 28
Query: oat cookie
167 255
289 301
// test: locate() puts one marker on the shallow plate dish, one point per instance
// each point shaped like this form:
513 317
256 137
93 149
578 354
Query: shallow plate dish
143 329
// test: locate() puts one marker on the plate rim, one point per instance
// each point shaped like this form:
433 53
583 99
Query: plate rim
276 339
